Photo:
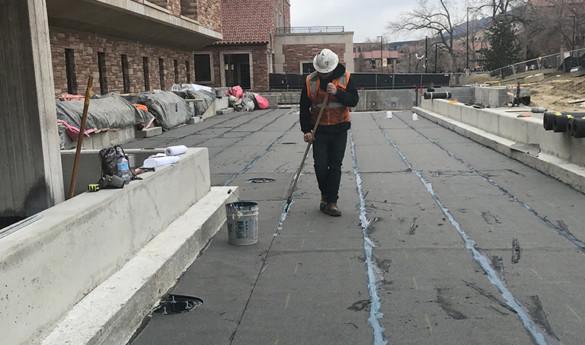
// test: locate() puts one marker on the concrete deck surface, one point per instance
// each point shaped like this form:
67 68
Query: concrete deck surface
442 241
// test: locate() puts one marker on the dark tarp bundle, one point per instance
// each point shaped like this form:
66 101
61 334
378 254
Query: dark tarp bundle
169 109
109 111
194 91
571 62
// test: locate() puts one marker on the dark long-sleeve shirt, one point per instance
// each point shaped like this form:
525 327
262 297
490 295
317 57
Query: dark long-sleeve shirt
349 98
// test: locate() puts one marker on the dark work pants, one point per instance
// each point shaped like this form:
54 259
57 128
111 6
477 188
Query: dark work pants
328 152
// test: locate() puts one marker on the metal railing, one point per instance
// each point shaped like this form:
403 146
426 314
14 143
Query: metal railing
549 62
309 29
367 81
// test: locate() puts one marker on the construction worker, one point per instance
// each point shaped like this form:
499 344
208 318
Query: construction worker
330 140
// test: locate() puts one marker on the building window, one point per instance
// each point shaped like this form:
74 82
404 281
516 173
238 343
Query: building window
146 70
308 68
125 73
188 72
176 65
102 73
161 72
70 71
202 67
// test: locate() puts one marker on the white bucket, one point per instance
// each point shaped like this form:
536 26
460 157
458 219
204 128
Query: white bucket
242 222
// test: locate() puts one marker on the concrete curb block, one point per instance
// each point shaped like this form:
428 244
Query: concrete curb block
112 312
570 173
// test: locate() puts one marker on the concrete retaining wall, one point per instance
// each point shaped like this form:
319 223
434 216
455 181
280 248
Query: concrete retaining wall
118 136
556 154
376 100
61 254
496 96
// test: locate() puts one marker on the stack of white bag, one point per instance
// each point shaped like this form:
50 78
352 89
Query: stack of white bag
167 158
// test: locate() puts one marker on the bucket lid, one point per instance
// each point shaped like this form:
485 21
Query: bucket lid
239 204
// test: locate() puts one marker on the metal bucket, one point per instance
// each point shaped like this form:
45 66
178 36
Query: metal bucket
242 222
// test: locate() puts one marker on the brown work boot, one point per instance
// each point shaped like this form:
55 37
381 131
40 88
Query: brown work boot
332 209
323 204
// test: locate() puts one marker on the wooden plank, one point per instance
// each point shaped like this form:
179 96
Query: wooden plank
577 101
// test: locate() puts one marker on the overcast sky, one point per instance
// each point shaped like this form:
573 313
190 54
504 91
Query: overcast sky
366 18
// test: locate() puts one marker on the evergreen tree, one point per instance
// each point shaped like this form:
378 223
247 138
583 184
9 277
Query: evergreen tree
504 48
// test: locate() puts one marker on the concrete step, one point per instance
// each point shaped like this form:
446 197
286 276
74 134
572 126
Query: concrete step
194 120
112 312
225 111
149 132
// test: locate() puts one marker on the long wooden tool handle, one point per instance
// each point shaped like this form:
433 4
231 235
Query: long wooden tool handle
323 106
80 136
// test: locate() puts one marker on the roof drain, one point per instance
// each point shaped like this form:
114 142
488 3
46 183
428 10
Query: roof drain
260 180
177 304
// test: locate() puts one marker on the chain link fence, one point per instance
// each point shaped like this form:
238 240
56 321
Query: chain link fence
555 62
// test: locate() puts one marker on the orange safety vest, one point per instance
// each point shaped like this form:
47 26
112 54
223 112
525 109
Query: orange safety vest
335 112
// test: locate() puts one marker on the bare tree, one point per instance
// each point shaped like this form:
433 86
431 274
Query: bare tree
435 20
555 25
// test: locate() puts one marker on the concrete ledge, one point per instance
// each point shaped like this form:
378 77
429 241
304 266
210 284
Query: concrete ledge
113 311
149 132
194 120
53 261
101 139
563 170
534 78
225 111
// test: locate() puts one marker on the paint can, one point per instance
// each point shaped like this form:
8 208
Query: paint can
242 222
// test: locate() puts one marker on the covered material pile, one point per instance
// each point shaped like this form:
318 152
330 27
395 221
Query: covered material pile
105 112
169 109
245 101
194 91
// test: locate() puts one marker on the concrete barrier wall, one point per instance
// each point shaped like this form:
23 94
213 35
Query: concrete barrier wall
376 100
62 253
496 96
89 166
525 139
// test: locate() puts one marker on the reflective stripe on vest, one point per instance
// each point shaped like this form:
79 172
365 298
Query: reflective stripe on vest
335 112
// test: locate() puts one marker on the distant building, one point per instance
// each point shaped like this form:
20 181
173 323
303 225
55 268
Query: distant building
296 47
376 61
245 55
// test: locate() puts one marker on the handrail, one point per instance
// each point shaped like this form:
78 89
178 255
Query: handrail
309 29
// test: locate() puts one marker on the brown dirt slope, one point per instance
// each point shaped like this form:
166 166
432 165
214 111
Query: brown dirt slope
555 92
558 93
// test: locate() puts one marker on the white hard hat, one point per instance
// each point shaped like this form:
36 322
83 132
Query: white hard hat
325 61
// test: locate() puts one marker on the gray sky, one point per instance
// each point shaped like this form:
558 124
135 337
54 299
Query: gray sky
366 18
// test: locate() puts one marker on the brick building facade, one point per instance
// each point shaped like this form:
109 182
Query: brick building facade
155 51
103 56
294 51
301 55
216 43
245 55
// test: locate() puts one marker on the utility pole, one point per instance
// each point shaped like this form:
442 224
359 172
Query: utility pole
426 53
381 54
467 42
436 51
574 24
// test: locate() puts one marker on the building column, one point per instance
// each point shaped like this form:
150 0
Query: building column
32 176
